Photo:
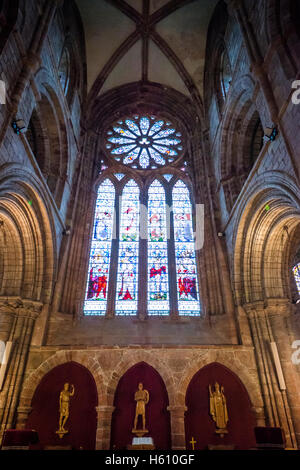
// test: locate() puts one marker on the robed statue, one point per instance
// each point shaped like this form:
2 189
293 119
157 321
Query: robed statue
218 409
141 397
64 408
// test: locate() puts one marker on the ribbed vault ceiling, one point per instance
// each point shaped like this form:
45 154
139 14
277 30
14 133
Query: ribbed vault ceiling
157 41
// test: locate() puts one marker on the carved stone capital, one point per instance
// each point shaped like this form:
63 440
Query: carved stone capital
280 307
24 410
177 409
18 307
105 409
254 308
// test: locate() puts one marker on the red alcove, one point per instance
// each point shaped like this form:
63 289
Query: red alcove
82 421
198 422
157 416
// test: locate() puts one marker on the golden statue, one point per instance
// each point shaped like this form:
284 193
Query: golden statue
141 397
218 409
64 407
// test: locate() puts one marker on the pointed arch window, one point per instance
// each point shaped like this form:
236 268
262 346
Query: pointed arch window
158 278
296 273
186 267
100 254
133 271
127 278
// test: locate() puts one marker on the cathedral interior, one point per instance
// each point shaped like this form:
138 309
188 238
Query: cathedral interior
149 224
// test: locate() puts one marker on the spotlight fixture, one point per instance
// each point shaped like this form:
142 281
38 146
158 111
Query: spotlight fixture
19 126
270 133
67 231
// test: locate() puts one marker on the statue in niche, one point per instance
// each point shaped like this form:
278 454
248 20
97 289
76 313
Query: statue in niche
141 397
64 408
218 409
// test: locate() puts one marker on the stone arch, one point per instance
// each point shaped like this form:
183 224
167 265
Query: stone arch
49 137
82 421
156 412
233 363
129 361
27 262
238 134
59 358
238 401
261 239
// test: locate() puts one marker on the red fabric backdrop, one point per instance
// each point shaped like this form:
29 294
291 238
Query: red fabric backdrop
198 422
82 421
157 416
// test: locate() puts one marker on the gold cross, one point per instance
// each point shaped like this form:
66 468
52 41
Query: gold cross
193 442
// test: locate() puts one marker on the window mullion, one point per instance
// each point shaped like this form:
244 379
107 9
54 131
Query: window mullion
171 257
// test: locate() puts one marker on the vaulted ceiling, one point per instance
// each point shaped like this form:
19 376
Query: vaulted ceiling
157 41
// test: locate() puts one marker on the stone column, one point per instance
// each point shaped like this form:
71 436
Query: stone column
22 316
177 426
22 416
259 413
276 406
104 416
278 314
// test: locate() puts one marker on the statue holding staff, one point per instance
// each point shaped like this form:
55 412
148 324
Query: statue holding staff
218 409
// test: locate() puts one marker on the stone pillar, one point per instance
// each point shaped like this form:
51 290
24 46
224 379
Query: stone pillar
278 313
104 415
259 414
177 426
22 416
277 408
21 316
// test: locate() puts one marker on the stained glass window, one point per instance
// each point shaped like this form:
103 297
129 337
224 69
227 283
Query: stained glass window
99 264
158 284
296 272
127 280
144 142
186 268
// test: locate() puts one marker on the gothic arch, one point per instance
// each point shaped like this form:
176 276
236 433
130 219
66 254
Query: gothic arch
28 262
238 401
238 131
59 358
157 413
140 356
231 363
261 239
52 145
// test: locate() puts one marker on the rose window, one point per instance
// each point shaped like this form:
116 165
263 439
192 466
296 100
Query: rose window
144 142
